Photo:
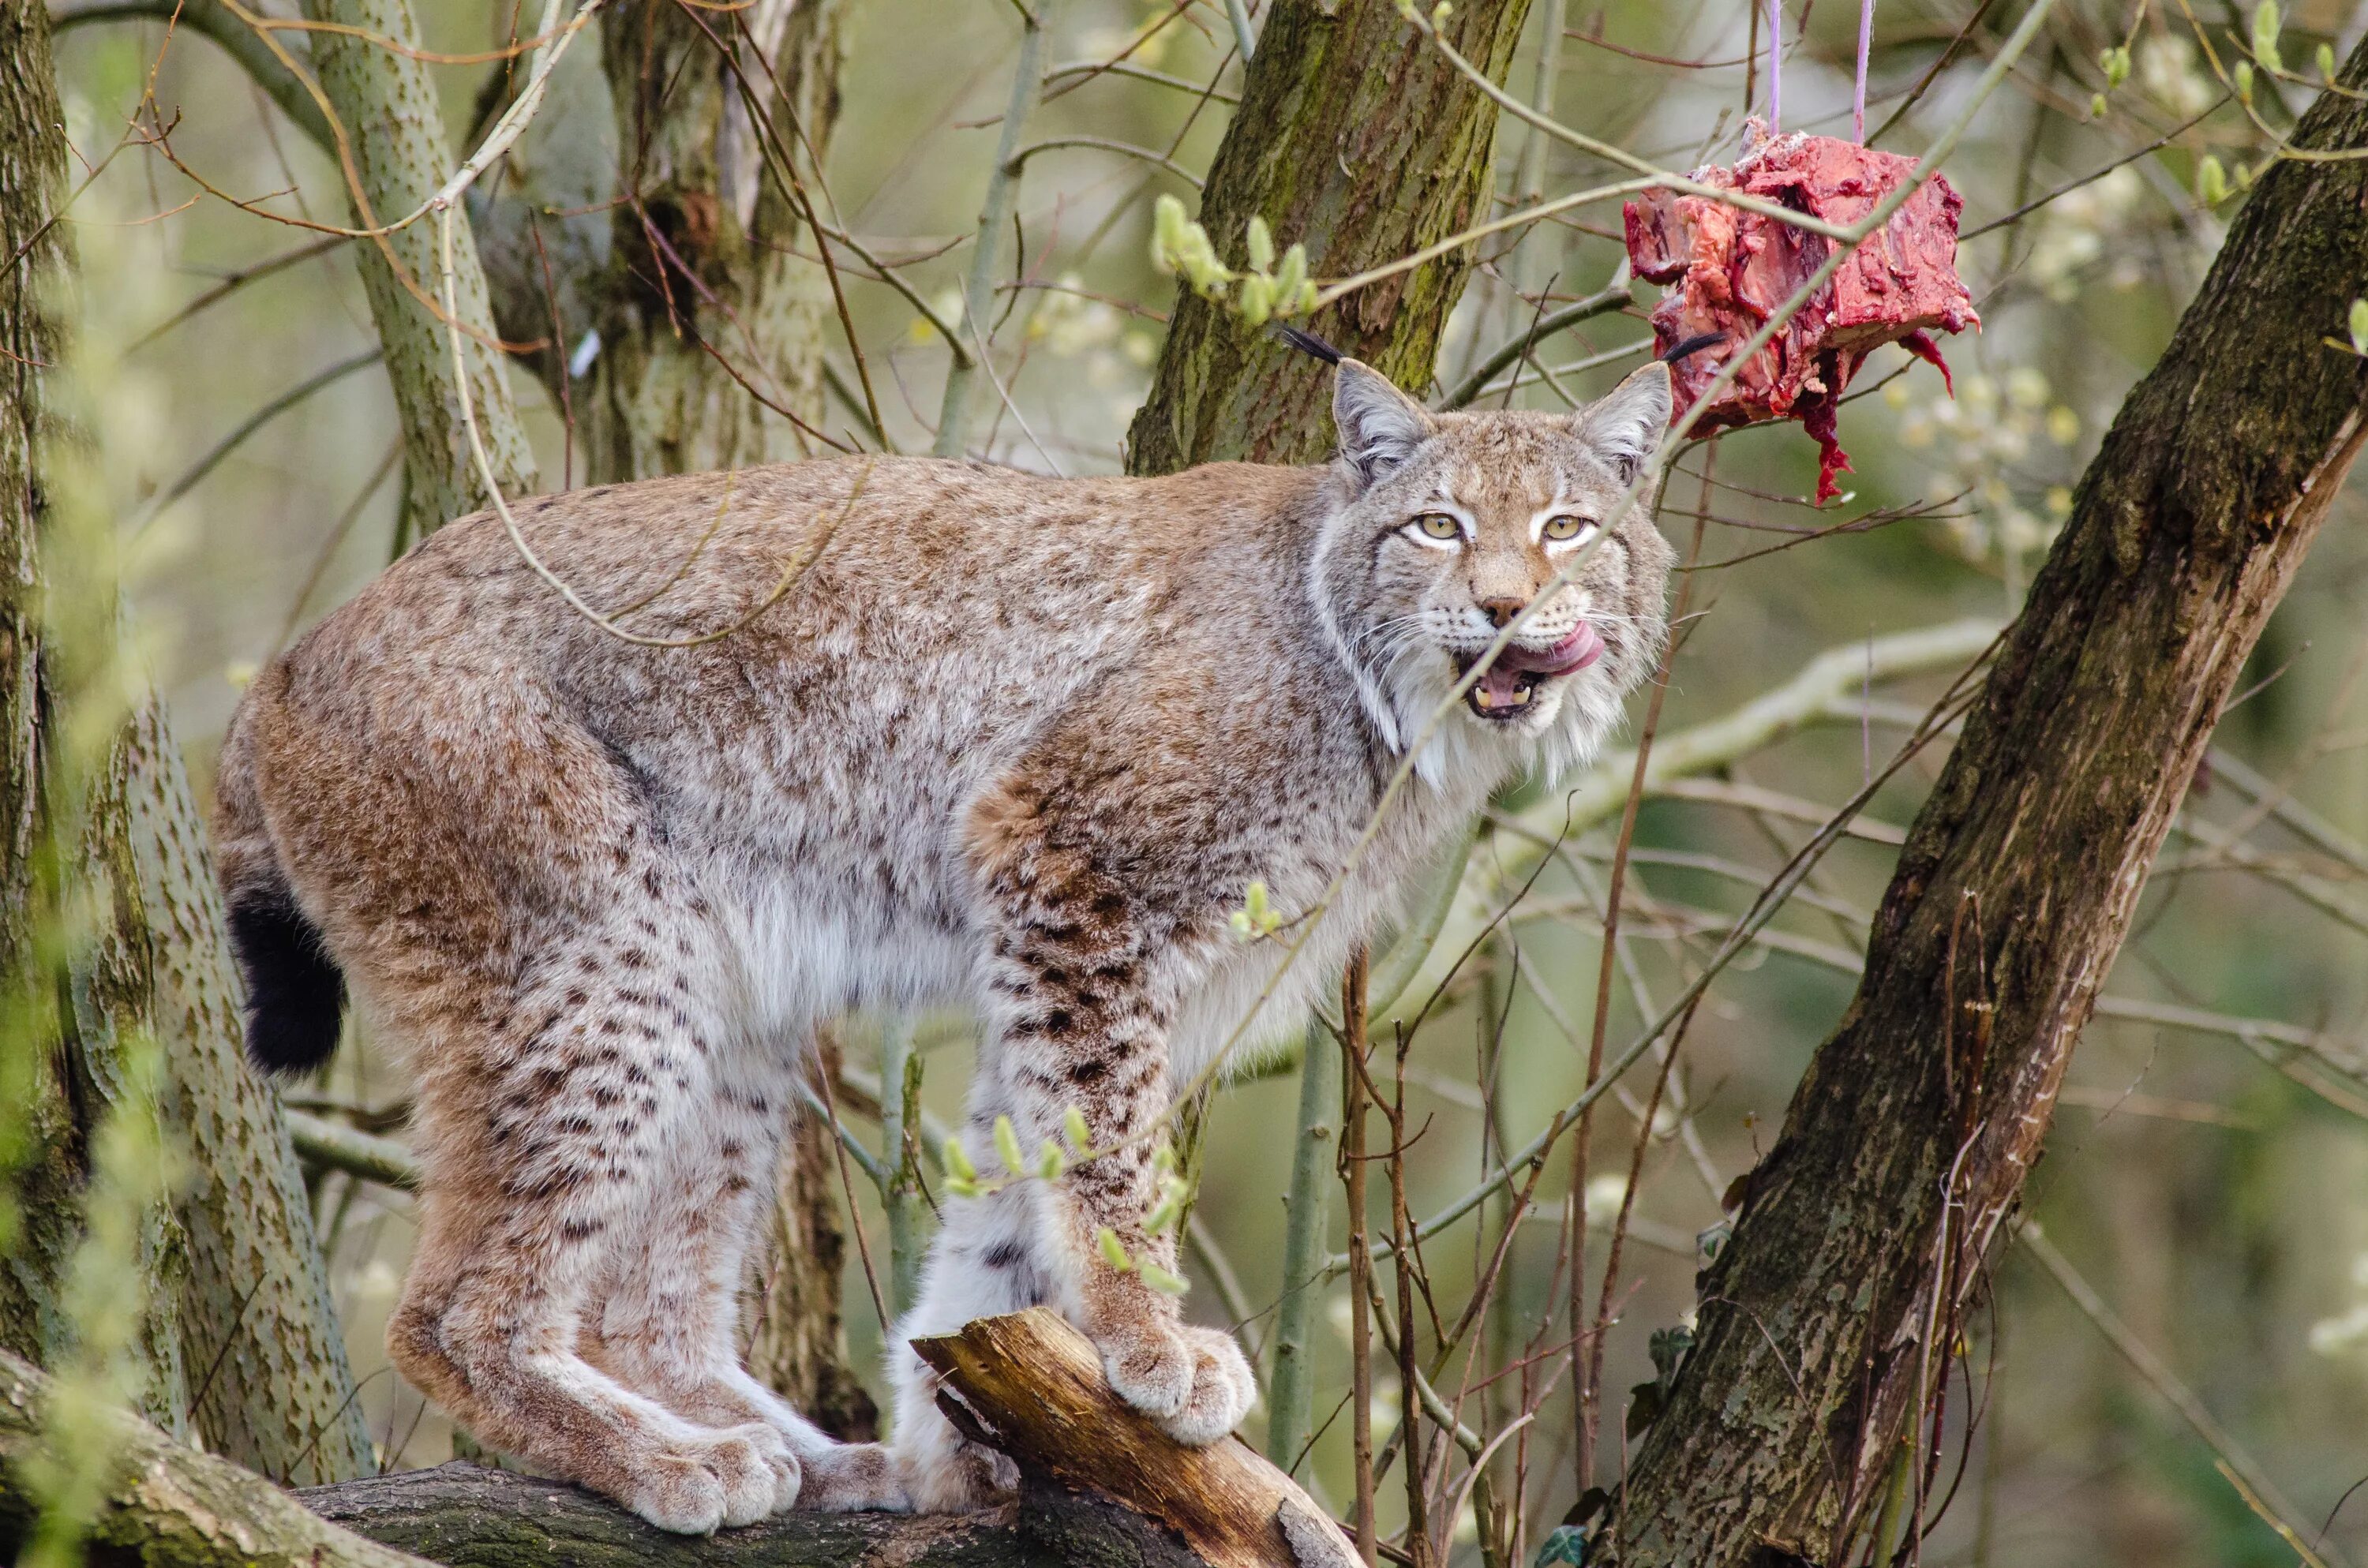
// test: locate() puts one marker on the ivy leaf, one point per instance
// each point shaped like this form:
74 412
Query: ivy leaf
1566 1543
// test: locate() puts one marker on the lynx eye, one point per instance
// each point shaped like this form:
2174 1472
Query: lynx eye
1562 529
1437 526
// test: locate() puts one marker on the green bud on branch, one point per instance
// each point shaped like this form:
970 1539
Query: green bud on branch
2211 181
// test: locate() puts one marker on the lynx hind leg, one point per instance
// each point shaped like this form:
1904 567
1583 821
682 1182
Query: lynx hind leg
546 1137
982 1263
667 1321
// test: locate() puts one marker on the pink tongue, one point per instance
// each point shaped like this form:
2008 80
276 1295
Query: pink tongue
1579 650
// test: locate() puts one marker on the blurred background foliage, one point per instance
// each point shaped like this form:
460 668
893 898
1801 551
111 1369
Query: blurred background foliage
2211 1191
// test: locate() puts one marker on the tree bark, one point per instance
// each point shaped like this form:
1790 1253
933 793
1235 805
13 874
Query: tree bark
267 1358
63 1017
172 1506
395 134
1357 139
32 169
700 266
796 1343
700 262
237 1301
1827 1321
463 1513
649 104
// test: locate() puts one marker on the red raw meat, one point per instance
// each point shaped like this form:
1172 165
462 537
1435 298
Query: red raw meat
1735 268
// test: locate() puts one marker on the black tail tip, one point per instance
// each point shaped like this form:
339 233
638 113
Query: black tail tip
295 997
1307 343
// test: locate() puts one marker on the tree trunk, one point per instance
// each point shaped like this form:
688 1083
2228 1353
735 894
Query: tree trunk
1358 140
33 170
395 134
1827 1321
701 268
63 1016
701 265
796 1342
237 1301
267 1358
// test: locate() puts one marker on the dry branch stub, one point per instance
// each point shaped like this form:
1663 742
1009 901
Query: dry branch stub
1033 1386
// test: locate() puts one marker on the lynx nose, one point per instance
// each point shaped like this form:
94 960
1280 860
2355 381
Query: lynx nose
1500 611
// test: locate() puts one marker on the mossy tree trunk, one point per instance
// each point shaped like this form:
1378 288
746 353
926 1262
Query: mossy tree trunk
701 271
32 169
395 133
62 1032
1828 1322
1357 139
266 1354
237 1300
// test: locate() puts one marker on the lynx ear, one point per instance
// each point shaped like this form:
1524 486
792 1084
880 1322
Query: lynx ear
1380 426
1627 424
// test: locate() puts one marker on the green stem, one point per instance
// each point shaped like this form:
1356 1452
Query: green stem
900 1144
993 218
1305 1249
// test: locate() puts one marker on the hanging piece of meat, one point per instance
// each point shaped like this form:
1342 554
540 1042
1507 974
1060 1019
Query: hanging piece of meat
1735 268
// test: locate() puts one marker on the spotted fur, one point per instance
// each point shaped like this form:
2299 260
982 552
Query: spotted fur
1013 742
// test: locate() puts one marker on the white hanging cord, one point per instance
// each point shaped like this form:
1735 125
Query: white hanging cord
1858 96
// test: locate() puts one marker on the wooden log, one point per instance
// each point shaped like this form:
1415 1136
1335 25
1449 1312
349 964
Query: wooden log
464 1514
1102 1488
169 1505
1031 1386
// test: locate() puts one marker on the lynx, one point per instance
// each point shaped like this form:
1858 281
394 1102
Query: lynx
1013 742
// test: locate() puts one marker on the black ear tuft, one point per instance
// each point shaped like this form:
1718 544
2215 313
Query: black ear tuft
1307 343
1692 345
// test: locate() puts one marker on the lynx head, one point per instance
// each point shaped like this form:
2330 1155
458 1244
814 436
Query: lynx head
1444 528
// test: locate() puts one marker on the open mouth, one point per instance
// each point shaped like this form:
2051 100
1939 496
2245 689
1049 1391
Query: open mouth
1509 685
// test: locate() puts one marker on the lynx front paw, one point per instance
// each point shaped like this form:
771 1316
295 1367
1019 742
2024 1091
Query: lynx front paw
1194 1381
852 1477
1223 1389
692 1485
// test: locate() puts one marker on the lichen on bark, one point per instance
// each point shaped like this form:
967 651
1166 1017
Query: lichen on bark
1358 140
